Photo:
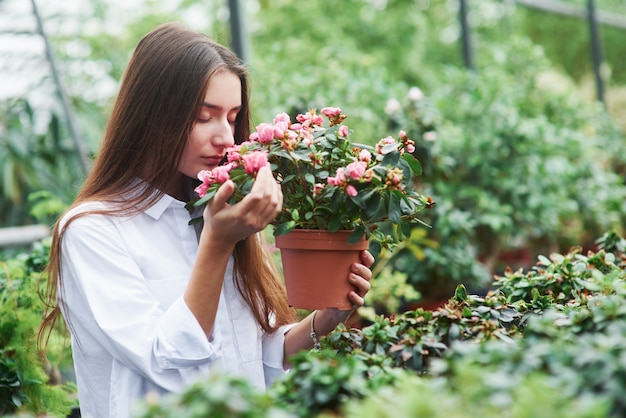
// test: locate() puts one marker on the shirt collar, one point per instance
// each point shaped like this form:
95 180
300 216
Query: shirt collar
155 211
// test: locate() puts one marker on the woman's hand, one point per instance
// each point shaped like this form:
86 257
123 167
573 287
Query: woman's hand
232 223
360 276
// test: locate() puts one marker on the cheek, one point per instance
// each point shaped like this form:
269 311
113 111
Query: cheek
187 158
185 164
196 140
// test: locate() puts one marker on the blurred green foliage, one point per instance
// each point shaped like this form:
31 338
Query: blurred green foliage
355 54
27 382
523 155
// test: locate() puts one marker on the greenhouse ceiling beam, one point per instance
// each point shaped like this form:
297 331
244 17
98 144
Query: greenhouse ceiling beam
466 44
594 18
69 114
237 32
596 48
560 7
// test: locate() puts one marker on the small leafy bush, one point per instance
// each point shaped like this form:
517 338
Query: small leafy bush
25 384
515 164
217 397
549 342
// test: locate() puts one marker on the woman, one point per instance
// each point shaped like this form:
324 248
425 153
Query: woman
152 303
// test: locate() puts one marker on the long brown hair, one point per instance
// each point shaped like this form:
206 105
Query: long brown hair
163 88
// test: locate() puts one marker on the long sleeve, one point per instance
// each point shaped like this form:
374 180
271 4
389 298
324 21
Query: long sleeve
141 321
122 282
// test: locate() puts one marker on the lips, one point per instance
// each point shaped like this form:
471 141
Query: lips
213 159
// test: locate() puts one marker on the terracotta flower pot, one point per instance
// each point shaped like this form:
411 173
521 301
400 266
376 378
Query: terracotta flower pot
316 265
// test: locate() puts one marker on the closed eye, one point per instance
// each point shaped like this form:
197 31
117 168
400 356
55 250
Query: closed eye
208 111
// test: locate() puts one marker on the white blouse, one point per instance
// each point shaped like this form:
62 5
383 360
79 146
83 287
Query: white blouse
132 334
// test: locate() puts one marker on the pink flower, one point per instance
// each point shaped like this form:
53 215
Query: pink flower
310 118
303 118
415 94
331 112
430 136
392 106
206 178
394 179
233 154
356 169
381 144
307 137
219 175
222 173
254 161
317 189
343 131
365 155
290 143
282 118
292 134
201 189
339 179
408 143
279 130
317 120
264 133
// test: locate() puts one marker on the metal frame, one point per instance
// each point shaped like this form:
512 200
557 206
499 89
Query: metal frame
594 18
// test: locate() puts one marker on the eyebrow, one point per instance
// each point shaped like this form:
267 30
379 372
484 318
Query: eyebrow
220 108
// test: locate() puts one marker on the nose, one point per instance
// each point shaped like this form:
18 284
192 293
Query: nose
224 135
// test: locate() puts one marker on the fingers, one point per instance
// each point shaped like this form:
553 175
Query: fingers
360 276
222 195
255 211
367 258
252 214
264 202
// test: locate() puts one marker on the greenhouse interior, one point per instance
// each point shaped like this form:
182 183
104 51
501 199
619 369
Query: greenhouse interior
158 158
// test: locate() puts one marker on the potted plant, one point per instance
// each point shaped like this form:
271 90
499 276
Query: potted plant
360 194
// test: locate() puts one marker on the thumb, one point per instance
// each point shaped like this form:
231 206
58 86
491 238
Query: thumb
222 195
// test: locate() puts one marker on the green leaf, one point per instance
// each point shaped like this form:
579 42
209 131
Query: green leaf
334 225
356 235
414 163
405 228
460 294
395 209
389 148
284 228
375 248
206 198
391 159
360 200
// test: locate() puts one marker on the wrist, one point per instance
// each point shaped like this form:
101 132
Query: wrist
326 320
313 333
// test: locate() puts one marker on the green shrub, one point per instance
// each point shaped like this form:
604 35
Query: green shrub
532 396
515 163
216 397
25 379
